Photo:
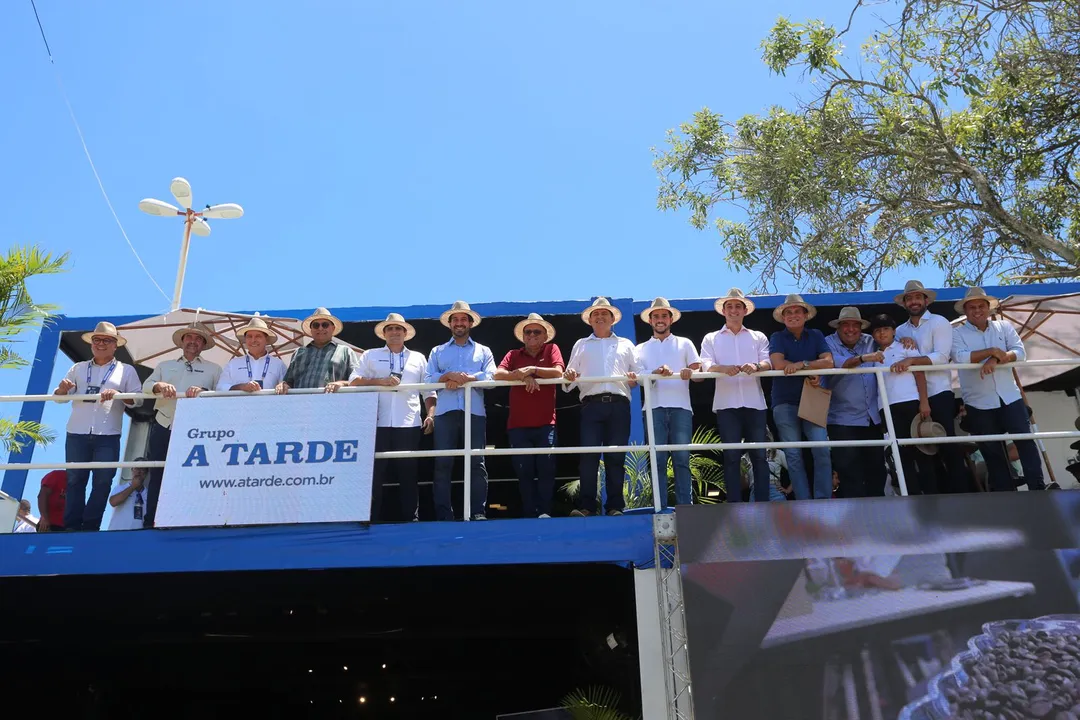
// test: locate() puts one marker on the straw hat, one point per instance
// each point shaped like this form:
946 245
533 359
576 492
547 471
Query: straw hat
661 304
793 300
976 293
460 307
534 319
320 314
601 303
927 429
914 286
108 330
199 329
734 294
394 319
257 324
849 313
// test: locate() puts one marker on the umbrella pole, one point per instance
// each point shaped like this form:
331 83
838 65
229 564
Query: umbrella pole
183 262
1045 457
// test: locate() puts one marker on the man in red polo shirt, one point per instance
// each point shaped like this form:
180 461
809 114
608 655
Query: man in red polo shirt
51 501
532 410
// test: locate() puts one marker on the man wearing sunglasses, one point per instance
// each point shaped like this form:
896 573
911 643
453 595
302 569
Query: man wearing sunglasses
532 410
324 362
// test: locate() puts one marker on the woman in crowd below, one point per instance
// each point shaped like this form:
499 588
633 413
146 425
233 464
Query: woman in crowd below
908 399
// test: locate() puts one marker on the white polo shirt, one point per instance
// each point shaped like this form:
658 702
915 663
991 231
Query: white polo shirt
91 417
934 336
269 370
612 356
724 347
123 517
677 353
180 374
900 386
396 409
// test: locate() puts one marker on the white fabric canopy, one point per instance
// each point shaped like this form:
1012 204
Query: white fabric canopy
1049 325
149 341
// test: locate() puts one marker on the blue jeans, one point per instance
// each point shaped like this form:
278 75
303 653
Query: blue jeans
450 435
604 423
736 425
536 473
674 426
78 513
1012 419
792 428
774 494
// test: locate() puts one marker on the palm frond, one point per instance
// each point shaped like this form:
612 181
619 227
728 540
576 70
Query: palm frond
10 360
15 435
594 703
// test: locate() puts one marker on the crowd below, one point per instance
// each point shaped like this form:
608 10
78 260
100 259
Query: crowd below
849 406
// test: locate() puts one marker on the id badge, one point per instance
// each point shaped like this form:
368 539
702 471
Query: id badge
92 390
259 383
138 510
395 375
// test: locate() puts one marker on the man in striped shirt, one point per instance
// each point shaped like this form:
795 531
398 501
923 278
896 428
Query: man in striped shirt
325 362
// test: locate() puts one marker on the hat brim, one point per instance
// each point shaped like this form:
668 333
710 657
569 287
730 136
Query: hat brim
410 331
616 313
181 332
778 313
520 328
914 433
719 304
445 317
305 327
88 338
647 313
959 306
834 324
931 296
1075 445
271 337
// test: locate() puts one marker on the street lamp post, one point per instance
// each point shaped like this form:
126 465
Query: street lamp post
194 222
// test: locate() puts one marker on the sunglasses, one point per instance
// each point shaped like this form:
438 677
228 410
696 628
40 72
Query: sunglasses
533 332
321 325
103 341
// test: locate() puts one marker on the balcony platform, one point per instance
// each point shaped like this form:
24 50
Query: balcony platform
626 540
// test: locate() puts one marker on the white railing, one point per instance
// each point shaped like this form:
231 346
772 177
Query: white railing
659 487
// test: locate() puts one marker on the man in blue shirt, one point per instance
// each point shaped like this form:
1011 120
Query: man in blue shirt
991 395
853 411
457 363
799 348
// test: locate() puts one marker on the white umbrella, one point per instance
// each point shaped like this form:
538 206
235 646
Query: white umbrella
1049 325
149 341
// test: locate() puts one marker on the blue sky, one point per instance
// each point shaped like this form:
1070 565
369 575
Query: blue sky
391 153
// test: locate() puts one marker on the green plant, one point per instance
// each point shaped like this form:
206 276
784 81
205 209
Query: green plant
19 313
595 703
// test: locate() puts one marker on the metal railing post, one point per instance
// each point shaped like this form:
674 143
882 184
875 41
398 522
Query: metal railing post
659 489
466 512
887 412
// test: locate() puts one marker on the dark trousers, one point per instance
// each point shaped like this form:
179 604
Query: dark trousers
79 514
957 479
450 435
604 423
157 449
536 473
1012 419
912 459
738 425
861 469
396 439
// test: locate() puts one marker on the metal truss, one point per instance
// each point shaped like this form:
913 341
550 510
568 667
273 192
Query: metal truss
672 619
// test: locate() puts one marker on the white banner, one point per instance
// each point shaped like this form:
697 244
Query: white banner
269 460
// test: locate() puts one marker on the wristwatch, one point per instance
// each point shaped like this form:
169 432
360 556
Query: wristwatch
805 364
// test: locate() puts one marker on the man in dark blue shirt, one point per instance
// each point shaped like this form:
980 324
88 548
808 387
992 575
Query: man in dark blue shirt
798 348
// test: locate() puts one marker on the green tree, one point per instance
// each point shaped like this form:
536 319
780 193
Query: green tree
19 313
952 140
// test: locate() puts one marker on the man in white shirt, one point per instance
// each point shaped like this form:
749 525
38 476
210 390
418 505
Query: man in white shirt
673 420
605 407
991 395
934 337
186 376
738 401
24 523
257 369
401 418
128 501
93 431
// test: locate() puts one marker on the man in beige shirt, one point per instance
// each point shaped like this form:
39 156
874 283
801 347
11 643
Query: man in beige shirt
188 375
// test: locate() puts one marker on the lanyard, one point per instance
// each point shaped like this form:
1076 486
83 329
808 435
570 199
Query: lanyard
108 372
138 497
401 359
266 366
